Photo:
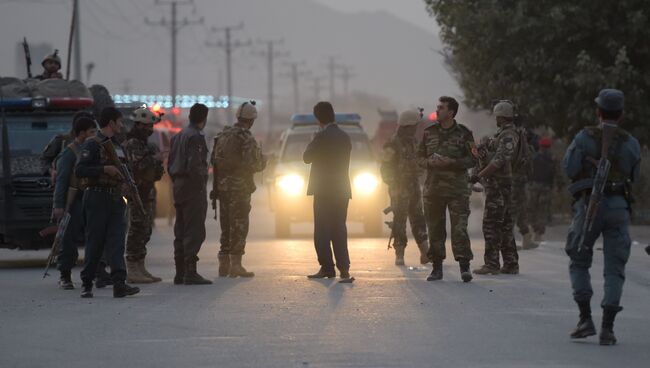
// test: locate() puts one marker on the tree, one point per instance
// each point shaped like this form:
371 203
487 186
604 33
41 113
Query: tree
550 57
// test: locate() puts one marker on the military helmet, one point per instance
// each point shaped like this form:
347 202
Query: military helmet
247 110
409 118
505 109
145 116
53 57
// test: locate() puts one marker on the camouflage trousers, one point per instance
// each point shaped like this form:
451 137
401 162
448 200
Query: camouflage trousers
435 208
407 204
234 208
498 224
140 228
520 206
540 197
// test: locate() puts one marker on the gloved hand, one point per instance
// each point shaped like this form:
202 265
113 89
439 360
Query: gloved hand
474 179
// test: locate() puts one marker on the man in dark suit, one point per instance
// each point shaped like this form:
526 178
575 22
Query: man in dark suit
329 183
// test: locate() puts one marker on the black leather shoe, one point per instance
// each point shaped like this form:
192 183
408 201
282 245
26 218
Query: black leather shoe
346 278
323 273
120 290
87 291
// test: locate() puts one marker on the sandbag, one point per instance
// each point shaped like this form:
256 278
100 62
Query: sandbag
11 87
59 88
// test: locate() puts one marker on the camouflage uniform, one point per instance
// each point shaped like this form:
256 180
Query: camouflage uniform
52 151
400 171
498 221
147 169
236 157
447 188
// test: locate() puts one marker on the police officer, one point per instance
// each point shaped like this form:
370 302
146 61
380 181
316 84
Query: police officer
104 206
236 157
540 188
51 66
57 144
68 198
147 168
188 168
446 152
400 171
613 217
496 176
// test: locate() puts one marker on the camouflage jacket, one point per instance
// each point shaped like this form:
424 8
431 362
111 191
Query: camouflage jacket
456 143
53 149
399 166
501 151
236 157
144 162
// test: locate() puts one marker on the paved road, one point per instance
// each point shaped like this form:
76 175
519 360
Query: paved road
389 317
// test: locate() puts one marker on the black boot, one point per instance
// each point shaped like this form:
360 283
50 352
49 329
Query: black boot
102 277
192 277
436 273
87 290
65 281
585 327
180 270
465 273
324 272
122 289
647 249
607 329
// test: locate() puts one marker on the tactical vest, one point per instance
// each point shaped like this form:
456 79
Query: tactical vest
615 173
104 180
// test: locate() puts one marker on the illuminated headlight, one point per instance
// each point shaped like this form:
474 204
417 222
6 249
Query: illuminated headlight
291 184
366 183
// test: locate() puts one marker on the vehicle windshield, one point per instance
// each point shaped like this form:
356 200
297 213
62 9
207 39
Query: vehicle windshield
297 143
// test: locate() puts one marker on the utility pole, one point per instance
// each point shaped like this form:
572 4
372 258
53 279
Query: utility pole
229 46
174 26
332 65
270 55
295 75
317 87
126 86
346 75
77 42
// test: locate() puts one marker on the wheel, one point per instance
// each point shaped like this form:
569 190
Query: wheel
282 225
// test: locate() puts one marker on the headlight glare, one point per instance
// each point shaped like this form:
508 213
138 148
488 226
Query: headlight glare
366 183
291 184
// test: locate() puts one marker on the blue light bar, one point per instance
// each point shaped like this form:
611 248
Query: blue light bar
351 118
16 102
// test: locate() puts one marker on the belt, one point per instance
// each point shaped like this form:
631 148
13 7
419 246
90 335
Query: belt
109 190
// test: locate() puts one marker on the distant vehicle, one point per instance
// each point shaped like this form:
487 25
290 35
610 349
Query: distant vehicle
26 192
289 175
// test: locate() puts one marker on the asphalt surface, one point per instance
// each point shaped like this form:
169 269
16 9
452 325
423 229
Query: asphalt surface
389 317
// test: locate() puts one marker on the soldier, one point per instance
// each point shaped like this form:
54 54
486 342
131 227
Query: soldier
400 171
521 170
51 66
541 187
613 216
188 168
496 176
147 170
104 207
446 153
236 157
67 197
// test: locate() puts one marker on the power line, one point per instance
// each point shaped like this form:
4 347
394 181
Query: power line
270 54
295 74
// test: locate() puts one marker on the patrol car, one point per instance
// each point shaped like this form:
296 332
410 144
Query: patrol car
289 177
27 125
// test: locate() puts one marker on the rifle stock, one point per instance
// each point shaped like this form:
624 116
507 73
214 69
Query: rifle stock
132 193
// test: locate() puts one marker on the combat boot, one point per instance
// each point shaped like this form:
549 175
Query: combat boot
144 271
607 328
510 269
192 277
465 273
585 327
122 289
528 242
236 269
87 290
65 281
224 265
399 256
647 249
135 275
103 278
487 270
424 252
180 270
436 272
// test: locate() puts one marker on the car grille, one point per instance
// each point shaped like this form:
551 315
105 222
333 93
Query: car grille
32 187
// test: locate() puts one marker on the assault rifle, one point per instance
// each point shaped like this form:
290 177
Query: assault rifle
60 231
28 57
131 189
599 182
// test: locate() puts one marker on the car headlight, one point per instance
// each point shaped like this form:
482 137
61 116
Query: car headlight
291 184
366 183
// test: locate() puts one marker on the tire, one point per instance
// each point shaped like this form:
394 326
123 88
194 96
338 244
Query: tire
282 225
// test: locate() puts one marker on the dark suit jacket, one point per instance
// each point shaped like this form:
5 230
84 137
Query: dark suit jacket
329 156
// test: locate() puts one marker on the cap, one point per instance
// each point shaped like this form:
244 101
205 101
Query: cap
504 109
610 99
